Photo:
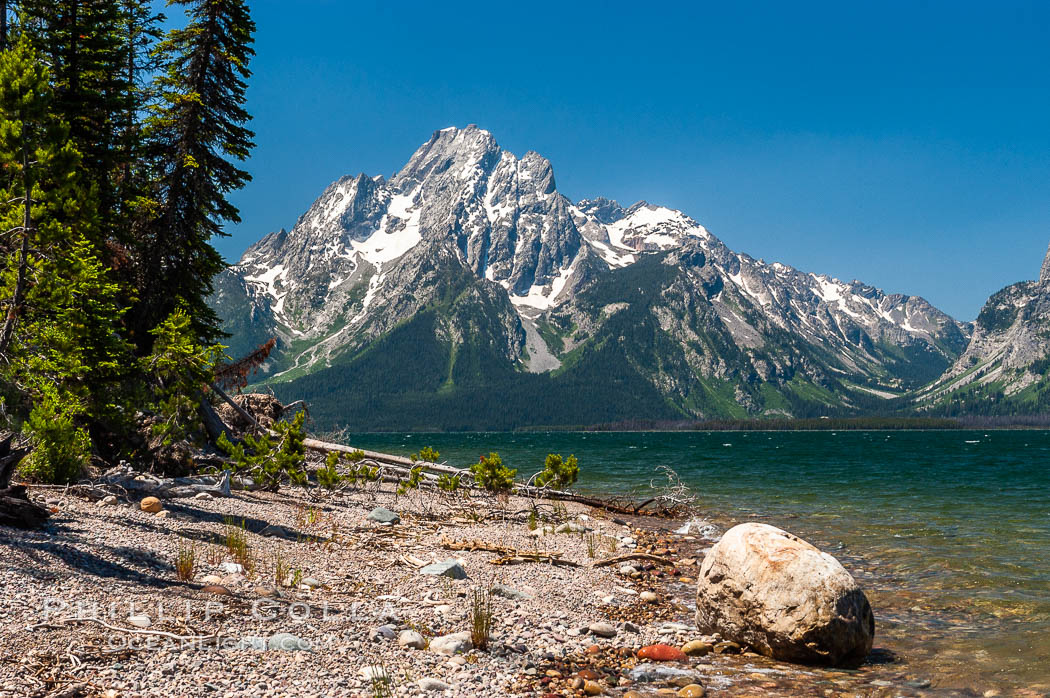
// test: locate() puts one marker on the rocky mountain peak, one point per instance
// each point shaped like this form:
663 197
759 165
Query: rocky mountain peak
475 249
601 209
453 151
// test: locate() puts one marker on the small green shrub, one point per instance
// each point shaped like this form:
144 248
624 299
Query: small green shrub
426 454
365 473
176 369
329 476
271 459
557 473
61 449
237 544
382 683
185 562
415 476
281 570
592 544
448 483
490 473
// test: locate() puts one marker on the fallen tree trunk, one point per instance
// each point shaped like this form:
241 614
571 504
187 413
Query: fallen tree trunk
634 556
404 465
213 424
386 458
17 511
15 508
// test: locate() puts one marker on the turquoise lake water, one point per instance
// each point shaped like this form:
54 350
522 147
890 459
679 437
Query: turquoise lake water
949 532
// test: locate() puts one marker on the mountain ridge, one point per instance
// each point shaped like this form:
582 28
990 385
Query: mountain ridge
725 334
1005 368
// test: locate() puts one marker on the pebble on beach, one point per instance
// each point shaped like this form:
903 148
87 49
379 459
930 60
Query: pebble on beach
150 505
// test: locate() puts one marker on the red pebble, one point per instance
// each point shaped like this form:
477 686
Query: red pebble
662 653
594 649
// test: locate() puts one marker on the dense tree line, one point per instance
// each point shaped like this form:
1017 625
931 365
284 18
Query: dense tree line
119 144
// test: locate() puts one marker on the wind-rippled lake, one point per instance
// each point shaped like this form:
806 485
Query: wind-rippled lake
948 531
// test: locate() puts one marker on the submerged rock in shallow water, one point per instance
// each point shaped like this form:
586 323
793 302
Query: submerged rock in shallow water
767 589
653 673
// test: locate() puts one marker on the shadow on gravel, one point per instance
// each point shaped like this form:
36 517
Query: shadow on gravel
43 554
250 524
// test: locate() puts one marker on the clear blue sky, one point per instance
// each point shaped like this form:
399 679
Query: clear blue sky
906 144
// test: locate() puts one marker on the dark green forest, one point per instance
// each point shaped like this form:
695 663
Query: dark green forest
120 144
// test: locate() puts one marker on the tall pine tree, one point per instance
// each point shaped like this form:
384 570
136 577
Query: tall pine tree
196 135
141 31
60 341
83 43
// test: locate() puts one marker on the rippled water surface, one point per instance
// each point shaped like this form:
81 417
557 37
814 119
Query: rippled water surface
949 532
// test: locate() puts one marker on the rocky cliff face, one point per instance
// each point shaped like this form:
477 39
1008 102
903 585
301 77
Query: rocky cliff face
1004 368
474 250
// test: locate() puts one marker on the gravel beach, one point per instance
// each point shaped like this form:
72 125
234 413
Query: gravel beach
320 599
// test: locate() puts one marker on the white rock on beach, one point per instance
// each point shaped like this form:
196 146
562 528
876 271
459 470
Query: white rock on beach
768 589
448 645
410 638
374 673
140 621
433 685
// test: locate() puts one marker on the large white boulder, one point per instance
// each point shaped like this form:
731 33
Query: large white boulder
768 589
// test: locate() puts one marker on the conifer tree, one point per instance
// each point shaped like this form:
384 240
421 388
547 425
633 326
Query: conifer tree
3 25
141 31
60 342
196 136
83 43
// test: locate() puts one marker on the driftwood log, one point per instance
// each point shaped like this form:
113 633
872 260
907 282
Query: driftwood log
634 556
403 465
15 508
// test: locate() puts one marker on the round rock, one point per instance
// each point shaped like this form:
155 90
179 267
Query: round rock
150 505
448 645
697 648
410 638
765 588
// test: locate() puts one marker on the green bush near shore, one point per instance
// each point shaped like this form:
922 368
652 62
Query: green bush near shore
557 473
490 473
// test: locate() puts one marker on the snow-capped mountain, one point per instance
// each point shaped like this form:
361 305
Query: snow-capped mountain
495 275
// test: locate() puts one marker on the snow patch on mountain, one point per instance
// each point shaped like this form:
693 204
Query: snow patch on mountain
397 234
544 296
362 259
